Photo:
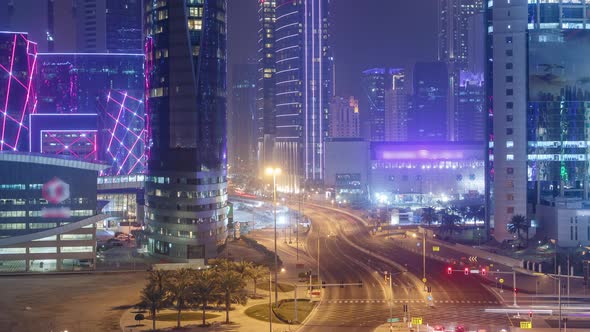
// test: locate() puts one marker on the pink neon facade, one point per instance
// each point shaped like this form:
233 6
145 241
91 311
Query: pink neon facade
18 59
124 125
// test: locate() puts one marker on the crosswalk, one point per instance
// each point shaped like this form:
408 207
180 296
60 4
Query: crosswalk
365 313
406 301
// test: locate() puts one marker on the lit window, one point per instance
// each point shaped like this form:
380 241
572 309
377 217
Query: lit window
9 251
509 144
77 249
509 157
43 250
194 24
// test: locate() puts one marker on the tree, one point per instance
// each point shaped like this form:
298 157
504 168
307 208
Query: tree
153 298
428 215
517 224
257 273
231 284
157 278
178 286
205 289
244 268
449 222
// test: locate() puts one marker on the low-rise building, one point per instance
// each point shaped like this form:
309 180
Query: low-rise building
48 213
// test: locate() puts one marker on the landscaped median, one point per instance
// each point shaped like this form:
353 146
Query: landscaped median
285 313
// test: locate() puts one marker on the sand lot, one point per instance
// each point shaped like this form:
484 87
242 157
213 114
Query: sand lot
87 302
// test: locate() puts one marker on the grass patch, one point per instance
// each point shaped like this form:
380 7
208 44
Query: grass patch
282 287
260 312
287 310
184 316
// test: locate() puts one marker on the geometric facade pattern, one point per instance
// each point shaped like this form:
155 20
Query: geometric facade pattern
123 126
18 58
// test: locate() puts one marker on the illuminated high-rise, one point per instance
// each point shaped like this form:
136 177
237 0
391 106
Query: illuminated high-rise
303 90
265 85
540 106
186 183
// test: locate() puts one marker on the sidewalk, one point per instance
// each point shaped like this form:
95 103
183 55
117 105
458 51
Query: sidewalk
240 321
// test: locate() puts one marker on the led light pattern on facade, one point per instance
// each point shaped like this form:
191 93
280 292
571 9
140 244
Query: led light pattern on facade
17 65
124 139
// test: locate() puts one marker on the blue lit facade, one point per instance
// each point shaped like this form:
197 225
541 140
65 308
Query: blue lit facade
375 82
430 101
537 136
186 183
303 90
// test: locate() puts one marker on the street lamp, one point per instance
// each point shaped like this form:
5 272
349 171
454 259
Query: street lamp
275 172
270 314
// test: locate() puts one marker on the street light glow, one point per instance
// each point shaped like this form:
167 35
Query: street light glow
273 171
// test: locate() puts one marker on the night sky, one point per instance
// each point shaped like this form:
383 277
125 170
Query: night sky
365 34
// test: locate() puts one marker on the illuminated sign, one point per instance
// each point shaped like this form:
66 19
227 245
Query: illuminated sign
56 191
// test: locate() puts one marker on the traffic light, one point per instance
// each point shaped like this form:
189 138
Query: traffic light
515 290
449 270
484 272
342 284
360 284
530 314
429 289
466 271
405 308
323 284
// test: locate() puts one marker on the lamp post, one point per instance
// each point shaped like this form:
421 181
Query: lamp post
275 172
270 313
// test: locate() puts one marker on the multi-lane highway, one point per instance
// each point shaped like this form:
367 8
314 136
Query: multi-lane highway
349 254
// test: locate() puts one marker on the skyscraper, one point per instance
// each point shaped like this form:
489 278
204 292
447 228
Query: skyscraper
344 118
540 109
471 115
242 117
186 186
265 86
112 26
396 108
458 34
375 82
303 89
429 107
47 22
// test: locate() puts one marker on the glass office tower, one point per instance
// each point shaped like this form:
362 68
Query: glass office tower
186 185
303 90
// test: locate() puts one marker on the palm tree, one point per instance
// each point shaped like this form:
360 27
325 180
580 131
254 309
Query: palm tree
258 272
157 278
205 289
232 286
428 215
179 289
449 222
244 268
153 298
517 224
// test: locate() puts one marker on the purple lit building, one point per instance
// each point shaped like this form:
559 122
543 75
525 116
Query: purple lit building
18 58
109 85
72 135
406 173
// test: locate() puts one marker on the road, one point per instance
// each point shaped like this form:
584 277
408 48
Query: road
349 254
